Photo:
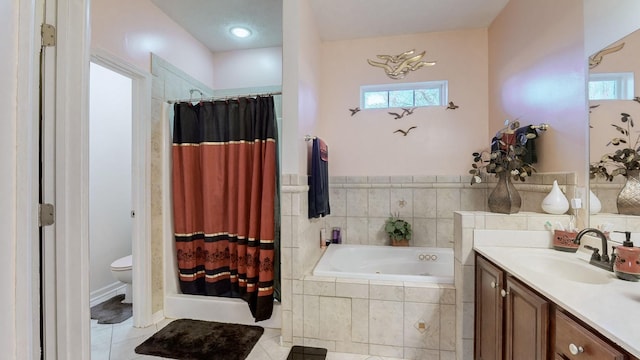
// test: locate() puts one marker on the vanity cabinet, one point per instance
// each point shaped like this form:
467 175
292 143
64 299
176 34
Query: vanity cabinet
573 341
512 322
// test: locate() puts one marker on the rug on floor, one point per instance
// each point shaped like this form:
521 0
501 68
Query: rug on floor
202 340
112 311
307 353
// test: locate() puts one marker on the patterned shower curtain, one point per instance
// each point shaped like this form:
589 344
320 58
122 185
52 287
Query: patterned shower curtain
225 179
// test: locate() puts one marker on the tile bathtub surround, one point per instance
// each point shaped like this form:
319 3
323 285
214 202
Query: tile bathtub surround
361 204
383 318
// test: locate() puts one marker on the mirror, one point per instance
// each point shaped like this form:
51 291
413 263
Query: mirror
614 82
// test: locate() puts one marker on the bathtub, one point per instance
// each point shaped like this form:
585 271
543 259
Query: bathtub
394 263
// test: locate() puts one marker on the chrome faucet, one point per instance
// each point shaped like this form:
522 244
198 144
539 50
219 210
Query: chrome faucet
601 261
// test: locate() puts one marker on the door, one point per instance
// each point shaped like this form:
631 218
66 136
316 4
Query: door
526 323
488 327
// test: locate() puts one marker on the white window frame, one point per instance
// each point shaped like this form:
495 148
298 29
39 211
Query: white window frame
441 85
623 80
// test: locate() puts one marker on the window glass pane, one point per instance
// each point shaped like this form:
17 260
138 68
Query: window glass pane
401 98
603 90
376 99
427 97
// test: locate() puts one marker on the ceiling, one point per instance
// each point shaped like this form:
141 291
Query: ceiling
209 21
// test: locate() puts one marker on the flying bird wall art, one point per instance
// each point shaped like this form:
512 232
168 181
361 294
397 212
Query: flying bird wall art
452 106
397 66
405 132
354 111
596 59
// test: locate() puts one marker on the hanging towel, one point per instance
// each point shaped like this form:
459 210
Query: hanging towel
319 180
526 136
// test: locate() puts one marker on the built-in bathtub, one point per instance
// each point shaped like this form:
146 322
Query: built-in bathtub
397 263
379 300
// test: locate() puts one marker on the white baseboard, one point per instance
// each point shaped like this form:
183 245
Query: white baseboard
157 316
106 293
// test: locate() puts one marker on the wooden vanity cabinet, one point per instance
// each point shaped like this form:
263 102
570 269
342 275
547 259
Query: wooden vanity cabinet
573 341
512 322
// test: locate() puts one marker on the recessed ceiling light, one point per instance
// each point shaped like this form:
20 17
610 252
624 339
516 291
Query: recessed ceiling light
241 32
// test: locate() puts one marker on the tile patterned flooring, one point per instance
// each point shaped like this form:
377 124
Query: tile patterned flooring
118 341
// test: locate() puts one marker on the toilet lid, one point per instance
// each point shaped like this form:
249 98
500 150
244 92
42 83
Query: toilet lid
124 263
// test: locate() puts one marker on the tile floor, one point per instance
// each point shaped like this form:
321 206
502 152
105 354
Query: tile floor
118 341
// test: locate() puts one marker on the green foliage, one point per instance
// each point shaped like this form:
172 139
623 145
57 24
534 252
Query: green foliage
397 229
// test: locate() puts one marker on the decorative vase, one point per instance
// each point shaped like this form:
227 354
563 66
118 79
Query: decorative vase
594 203
555 203
629 197
504 198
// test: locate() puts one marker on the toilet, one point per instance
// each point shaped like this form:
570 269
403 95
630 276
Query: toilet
121 270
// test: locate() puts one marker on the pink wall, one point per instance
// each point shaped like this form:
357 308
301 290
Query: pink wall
256 67
537 72
131 30
443 141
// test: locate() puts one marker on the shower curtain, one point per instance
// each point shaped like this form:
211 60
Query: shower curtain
225 182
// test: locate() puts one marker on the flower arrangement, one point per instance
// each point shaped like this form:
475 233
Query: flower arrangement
624 159
506 155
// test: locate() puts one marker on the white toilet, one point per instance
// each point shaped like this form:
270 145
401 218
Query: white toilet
121 270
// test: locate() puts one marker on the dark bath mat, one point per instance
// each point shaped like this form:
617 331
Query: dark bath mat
202 340
307 353
112 311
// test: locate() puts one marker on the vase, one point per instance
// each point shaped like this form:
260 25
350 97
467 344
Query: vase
402 242
629 197
555 203
504 198
594 203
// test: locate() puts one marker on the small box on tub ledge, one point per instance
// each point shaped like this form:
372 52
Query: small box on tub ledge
399 230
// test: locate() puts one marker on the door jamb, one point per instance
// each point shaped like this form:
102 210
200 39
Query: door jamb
141 190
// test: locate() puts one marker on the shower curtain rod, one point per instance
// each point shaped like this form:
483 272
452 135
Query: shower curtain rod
233 97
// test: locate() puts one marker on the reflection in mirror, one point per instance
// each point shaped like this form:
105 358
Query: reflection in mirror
614 131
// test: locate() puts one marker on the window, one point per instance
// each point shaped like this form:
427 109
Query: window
432 93
611 86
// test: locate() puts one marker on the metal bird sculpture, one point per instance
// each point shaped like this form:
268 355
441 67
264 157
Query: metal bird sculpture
596 59
354 111
408 111
396 116
636 99
452 106
405 132
397 66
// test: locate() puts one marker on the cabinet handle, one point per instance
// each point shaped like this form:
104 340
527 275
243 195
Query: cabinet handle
504 293
493 284
575 350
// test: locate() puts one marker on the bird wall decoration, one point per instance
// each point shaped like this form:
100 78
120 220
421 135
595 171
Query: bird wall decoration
397 66
405 132
404 112
596 59
452 106
354 111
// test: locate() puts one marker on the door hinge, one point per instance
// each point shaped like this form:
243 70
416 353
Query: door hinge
48 35
46 214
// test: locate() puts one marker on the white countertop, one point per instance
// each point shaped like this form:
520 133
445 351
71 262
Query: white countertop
611 306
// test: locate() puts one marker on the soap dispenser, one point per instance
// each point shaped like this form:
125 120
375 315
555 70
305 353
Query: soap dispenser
627 261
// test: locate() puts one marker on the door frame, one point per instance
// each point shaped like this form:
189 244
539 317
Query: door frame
141 181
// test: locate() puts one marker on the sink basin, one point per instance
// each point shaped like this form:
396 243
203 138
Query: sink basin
571 269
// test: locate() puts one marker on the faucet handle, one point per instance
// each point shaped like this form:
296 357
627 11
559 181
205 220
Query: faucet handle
596 252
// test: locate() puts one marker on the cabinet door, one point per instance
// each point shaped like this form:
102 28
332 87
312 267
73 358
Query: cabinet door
573 341
488 327
527 323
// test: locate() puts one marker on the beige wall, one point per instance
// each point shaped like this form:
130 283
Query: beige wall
259 68
365 145
537 73
132 30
